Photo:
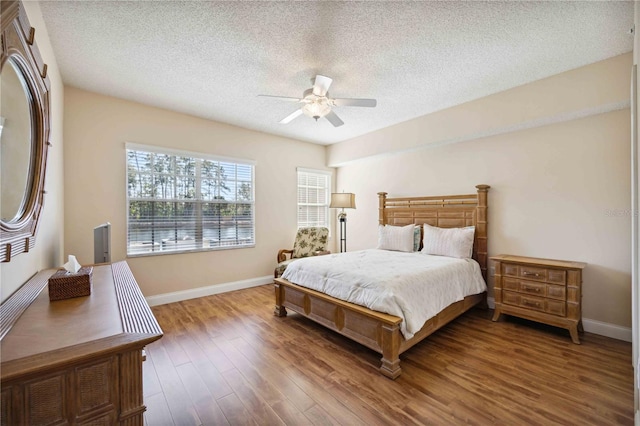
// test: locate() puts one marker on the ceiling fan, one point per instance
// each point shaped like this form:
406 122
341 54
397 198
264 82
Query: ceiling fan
316 102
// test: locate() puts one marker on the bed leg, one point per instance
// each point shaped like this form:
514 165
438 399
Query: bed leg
390 348
280 310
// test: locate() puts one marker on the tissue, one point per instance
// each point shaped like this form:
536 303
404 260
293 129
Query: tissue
72 266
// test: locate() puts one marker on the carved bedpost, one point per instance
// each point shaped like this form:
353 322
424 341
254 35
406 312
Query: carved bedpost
481 229
382 196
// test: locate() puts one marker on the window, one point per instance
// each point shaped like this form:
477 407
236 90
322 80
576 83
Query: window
314 190
183 201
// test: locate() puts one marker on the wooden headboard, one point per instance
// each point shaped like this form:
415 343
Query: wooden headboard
446 211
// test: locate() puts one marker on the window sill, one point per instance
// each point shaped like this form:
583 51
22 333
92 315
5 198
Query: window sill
170 252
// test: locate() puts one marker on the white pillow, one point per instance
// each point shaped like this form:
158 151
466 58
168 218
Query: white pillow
398 238
452 242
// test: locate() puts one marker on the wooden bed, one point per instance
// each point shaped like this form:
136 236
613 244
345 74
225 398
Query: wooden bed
377 330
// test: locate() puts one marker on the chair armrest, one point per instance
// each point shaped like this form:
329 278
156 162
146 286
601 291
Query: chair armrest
282 255
321 252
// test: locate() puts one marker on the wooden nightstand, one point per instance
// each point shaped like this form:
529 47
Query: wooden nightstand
543 290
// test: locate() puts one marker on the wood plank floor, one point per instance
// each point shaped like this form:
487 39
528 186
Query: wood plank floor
225 359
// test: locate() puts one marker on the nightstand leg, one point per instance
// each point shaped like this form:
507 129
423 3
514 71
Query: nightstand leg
573 330
580 327
496 315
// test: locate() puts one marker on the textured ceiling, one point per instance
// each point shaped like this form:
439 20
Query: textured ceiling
212 59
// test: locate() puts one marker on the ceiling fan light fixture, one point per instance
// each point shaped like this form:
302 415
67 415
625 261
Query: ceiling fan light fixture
316 109
317 104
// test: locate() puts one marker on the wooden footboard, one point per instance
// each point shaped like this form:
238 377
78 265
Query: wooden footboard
375 330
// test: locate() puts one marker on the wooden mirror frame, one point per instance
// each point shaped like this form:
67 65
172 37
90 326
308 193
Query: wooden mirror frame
18 44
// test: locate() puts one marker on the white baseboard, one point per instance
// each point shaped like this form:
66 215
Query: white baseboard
607 329
177 296
491 302
592 326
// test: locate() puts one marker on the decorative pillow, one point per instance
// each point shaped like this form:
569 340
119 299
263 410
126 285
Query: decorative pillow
416 238
398 238
452 242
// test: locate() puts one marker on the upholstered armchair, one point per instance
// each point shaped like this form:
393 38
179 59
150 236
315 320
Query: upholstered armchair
311 241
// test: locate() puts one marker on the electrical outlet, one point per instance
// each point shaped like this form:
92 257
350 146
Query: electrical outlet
492 271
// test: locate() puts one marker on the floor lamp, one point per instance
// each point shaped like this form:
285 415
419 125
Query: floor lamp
343 200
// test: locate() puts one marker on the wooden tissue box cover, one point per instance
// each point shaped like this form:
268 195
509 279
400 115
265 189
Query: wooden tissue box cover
64 285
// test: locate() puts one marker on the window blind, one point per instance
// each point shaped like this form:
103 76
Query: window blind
183 201
314 190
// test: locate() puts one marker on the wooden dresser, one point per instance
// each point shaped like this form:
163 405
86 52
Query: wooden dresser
543 290
75 361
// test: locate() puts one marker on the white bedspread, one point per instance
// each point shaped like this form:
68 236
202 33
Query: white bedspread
412 286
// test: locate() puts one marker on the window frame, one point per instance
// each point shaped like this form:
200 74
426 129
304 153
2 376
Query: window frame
199 157
329 175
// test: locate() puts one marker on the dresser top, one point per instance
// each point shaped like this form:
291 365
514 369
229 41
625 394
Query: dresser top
47 326
113 316
538 261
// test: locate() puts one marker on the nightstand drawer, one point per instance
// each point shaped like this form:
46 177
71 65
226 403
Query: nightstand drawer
551 291
537 289
548 306
517 299
554 276
530 302
533 273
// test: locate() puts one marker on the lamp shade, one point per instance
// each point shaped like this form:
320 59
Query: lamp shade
343 200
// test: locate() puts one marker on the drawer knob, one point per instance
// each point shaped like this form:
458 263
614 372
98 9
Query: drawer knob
531 274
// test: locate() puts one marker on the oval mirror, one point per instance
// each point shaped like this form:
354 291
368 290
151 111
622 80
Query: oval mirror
15 143
24 135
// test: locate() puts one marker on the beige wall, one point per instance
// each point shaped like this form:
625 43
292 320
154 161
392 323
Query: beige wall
599 87
559 190
49 240
96 130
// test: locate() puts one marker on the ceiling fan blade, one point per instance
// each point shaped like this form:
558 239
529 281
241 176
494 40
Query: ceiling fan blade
291 116
282 98
321 85
355 102
334 119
